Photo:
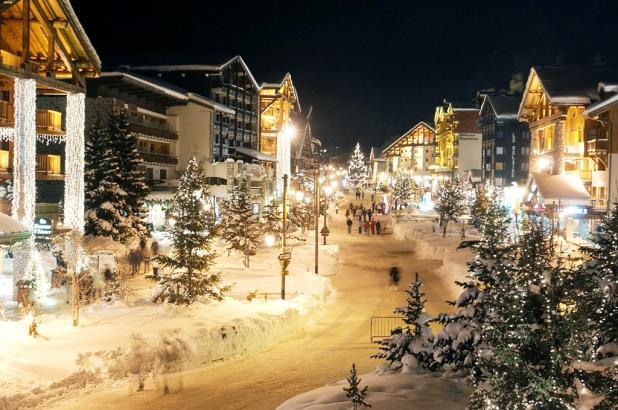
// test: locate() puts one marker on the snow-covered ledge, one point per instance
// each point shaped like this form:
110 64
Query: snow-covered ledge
74 163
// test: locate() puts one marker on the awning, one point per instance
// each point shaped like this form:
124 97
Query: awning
560 189
260 156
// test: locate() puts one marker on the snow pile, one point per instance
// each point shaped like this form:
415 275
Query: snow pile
391 390
114 342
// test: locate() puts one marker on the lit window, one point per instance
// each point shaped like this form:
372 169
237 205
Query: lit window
499 166
499 150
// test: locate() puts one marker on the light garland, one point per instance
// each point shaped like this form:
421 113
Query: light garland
8 134
283 156
74 163
24 158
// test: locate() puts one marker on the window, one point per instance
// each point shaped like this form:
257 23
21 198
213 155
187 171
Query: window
149 174
499 150
162 174
525 150
524 166
4 159
499 166
53 164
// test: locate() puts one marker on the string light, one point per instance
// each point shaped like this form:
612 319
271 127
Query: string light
24 158
74 165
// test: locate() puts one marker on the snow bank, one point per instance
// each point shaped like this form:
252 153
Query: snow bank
390 390
101 349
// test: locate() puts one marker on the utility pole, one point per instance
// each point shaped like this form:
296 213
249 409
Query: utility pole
316 211
325 233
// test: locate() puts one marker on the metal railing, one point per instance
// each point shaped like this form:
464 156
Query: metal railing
381 326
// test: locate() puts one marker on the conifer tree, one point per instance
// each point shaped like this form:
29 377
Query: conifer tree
105 200
357 168
458 342
479 208
353 392
416 340
450 203
239 227
132 178
402 190
271 219
187 269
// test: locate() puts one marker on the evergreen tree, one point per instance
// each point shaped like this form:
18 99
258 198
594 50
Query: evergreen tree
525 352
105 200
402 190
357 168
356 395
479 208
132 177
450 203
301 214
594 302
239 227
458 342
187 276
416 341
271 219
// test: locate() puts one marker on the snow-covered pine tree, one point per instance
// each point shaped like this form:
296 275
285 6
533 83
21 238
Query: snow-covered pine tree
402 190
301 214
186 274
271 219
450 203
357 168
353 392
594 299
526 349
416 340
479 208
133 175
239 227
105 201
457 343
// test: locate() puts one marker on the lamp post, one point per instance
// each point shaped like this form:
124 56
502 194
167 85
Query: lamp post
316 212
327 191
284 257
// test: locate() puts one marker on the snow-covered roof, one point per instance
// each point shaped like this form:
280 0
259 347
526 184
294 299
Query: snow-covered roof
564 189
199 67
260 156
600 106
157 86
405 134
10 225
503 106
80 32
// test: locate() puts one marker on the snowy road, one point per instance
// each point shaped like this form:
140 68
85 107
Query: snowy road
321 354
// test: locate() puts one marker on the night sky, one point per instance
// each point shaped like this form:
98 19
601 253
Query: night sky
371 70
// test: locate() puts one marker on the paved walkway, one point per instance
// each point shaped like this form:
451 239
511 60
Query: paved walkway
321 354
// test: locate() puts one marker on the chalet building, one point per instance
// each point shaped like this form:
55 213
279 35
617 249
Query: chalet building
506 141
413 152
605 144
563 139
458 143
45 56
228 82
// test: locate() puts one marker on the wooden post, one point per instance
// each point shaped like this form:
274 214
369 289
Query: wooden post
25 56
51 59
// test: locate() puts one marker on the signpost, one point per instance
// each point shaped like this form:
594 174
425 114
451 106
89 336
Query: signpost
42 230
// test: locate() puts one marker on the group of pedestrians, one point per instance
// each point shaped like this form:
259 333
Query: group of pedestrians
364 218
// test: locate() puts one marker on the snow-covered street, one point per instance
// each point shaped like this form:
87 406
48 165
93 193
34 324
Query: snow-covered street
322 353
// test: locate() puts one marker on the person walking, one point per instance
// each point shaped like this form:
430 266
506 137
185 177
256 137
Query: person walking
360 225
372 225
395 276
336 209
366 227
378 227
369 214
347 213
349 224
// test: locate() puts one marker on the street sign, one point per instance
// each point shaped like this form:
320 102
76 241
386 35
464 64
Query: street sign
324 231
285 256
43 230
284 264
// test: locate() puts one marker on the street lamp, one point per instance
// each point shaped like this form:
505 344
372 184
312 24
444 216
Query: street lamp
328 191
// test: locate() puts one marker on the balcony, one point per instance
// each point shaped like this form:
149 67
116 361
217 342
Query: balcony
151 129
158 158
47 121
597 147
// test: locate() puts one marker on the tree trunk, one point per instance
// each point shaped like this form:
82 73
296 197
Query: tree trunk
444 229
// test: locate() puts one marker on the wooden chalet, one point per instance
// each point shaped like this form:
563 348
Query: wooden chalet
412 152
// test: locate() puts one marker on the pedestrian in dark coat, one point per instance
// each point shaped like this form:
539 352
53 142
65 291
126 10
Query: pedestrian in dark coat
378 227
349 224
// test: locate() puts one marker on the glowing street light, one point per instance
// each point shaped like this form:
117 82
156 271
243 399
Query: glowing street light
269 240
299 195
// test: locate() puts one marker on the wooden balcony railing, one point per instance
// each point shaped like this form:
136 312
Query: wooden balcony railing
158 158
597 147
49 120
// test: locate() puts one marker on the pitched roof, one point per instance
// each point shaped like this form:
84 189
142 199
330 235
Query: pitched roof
504 106
468 120
405 134
574 84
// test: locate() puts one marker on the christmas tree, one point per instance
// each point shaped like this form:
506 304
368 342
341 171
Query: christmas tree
524 355
357 168
356 395
450 203
271 219
458 342
239 227
594 302
402 190
105 200
479 208
133 175
187 276
416 340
